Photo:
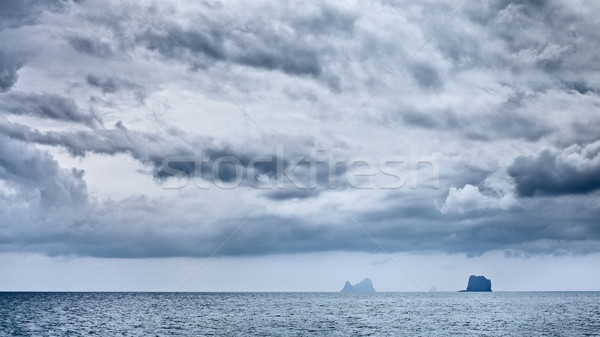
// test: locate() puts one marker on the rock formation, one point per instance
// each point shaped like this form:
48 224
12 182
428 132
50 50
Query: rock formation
365 286
479 283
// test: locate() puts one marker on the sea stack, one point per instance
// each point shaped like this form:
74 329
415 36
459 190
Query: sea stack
479 283
365 286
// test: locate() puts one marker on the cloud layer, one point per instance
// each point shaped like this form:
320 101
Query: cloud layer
498 113
574 170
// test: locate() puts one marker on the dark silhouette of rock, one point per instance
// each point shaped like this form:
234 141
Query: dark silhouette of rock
365 286
479 283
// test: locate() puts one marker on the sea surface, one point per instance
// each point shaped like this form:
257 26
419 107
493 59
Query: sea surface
300 314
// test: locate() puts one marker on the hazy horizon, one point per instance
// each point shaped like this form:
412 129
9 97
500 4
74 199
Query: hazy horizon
228 274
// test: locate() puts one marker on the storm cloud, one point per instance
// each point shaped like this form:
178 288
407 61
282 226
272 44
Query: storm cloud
263 48
96 96
574 170
34 177
90 46
9 66
15 13
45 106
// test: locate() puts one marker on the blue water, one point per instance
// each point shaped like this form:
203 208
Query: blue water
300 314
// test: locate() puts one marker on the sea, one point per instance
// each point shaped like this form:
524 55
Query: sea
300 314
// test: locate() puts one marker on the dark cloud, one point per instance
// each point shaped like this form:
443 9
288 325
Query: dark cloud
440 119
410 226
322 19
508 123
149 148
505 121
294 193
417 226
9 65
311 182
46 106
107 85
574 170
264 48
261 49
15 13
426 76
258 42
581 87
90 45
584 131
38 177
492 74
195 157
208 43
539 42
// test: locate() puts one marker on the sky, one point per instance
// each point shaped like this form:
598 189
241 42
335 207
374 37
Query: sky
291 146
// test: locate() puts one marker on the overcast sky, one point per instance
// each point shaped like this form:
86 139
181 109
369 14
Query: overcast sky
291 146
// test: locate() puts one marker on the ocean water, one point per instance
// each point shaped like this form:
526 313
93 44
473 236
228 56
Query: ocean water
300 314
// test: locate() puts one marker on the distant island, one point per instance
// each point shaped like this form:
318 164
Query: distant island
478 284
365 286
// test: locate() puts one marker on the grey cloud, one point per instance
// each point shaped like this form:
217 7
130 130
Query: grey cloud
208 43
410 226
537 41
15 13
581 87
113 84
529 45
583 132
268 168
524 51
46 106
149 148
294 193
261 49
152 148
416 227
259 42
264 48
505 121
37 176
107 85
9 65
324 19
183 155
90 45
574 170
426 76
508 124
430 119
